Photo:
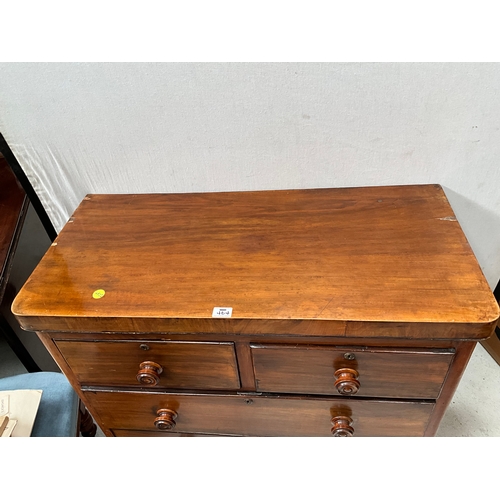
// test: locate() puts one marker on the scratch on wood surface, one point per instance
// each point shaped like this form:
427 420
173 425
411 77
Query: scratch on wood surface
327 304
448 218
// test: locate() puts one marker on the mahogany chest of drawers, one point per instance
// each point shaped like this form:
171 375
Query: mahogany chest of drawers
276 313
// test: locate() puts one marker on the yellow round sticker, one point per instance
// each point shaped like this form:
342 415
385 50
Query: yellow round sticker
98 294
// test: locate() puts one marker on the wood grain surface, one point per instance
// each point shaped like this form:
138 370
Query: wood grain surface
192 365
383 373
261 416
345 257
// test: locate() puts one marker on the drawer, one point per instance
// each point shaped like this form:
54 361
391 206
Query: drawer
183 365
156 433
371 372
248 415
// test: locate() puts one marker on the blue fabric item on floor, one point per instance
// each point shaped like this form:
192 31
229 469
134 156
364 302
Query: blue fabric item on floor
57 414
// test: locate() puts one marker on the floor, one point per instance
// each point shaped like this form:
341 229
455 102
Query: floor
474 410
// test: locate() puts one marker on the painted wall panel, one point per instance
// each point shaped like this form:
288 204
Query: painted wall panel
183 127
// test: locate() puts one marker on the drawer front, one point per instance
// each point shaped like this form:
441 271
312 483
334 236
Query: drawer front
249 415
184 365
371 372
155 433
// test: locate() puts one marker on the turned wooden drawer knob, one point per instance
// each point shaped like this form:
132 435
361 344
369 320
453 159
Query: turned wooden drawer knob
347 381
149 373
166 419
342 427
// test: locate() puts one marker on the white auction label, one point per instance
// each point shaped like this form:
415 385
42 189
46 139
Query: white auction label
222 312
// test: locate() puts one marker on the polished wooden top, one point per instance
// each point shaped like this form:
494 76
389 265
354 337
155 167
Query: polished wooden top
318 262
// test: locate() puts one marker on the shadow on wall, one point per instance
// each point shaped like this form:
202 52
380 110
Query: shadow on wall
479 225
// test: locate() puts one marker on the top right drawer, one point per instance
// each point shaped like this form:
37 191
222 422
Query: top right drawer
351 371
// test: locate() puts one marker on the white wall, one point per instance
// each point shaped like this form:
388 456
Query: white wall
123 128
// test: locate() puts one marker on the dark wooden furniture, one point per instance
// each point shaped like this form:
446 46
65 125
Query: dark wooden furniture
13 209
354 311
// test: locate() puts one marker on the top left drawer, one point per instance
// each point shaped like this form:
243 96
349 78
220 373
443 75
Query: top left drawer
161 364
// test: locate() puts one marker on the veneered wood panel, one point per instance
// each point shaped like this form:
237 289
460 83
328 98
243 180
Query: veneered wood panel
383 373
261 416
377 254
191 365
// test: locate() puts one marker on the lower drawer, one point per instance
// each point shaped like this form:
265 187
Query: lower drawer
258 415
134 433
